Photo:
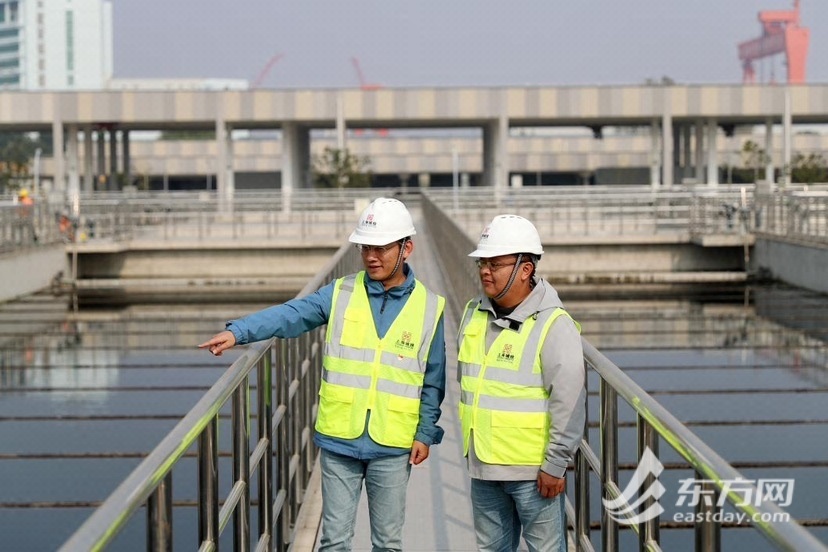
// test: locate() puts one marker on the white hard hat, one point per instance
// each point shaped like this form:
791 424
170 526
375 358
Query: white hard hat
384 221
506 235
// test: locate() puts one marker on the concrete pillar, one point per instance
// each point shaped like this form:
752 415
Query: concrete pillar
88 170
290 163
340 122
677 134
496 154
230 177
113 160
224 165
712 153
303 153
101 172
125 155
655 157
59 183
698 173
769 168
72 163
687 145
667 146
787 124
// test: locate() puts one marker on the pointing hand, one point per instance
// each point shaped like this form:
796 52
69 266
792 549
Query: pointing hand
219 342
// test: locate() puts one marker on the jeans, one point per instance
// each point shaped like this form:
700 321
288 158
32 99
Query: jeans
502 508
385 479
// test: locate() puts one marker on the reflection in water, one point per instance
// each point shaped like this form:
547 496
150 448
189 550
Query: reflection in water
786 326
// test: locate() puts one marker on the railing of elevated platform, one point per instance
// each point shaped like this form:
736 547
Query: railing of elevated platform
799 213
800 216
281 460
653 422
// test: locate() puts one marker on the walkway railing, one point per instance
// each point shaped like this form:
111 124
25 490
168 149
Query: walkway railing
27 226
280 461
800 216
206 216
569 212
653 422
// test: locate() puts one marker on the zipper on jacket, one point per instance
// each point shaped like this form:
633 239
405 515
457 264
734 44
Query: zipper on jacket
384 300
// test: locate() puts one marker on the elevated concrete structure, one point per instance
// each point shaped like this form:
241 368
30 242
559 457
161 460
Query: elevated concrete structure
29 269
797 263
682 122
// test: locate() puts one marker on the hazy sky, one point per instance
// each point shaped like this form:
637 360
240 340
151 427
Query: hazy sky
452 42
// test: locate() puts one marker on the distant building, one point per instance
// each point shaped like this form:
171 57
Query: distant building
178 84
55 44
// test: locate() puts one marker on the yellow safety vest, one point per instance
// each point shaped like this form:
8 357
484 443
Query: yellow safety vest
502 396
362 372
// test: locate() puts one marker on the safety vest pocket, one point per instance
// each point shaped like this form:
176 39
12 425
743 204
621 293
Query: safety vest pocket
403 418
519 438
355 325
335 411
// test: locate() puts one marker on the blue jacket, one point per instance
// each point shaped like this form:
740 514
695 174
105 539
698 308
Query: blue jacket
298 316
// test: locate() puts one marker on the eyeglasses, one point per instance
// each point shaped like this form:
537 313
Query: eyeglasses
492 266
376 250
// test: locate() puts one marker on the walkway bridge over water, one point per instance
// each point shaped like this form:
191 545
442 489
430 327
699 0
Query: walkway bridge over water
283 494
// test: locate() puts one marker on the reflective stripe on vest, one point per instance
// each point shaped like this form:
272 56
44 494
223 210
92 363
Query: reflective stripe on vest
502 395
363 372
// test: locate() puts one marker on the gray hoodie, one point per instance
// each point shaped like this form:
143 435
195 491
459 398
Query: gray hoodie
562 363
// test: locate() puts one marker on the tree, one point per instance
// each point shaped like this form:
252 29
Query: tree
339 168
16 151
754 157
808 169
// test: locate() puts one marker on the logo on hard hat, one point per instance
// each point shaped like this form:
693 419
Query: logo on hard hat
485 234
369 220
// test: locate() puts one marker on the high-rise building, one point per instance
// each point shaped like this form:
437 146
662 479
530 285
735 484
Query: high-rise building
55 44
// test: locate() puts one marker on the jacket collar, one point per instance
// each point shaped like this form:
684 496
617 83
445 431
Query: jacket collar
376 288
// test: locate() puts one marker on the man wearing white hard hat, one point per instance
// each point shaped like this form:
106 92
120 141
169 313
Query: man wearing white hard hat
523 400
383 379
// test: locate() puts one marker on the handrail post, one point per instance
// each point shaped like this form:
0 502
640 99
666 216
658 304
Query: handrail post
264 411
282 452
609 462
159 517
208 507
708 530
582 478
241 466
648 531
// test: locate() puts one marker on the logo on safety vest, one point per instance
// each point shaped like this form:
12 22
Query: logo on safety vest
506 354
405 342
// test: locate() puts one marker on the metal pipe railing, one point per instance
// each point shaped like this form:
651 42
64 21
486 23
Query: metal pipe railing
296 379
654 422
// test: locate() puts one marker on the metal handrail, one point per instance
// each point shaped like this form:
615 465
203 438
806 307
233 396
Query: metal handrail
653 421
294 365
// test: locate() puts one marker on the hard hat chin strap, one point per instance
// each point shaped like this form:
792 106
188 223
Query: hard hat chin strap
511 278
399 260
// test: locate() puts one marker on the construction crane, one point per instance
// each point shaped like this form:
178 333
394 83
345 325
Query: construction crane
363 84
257 82
781 33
